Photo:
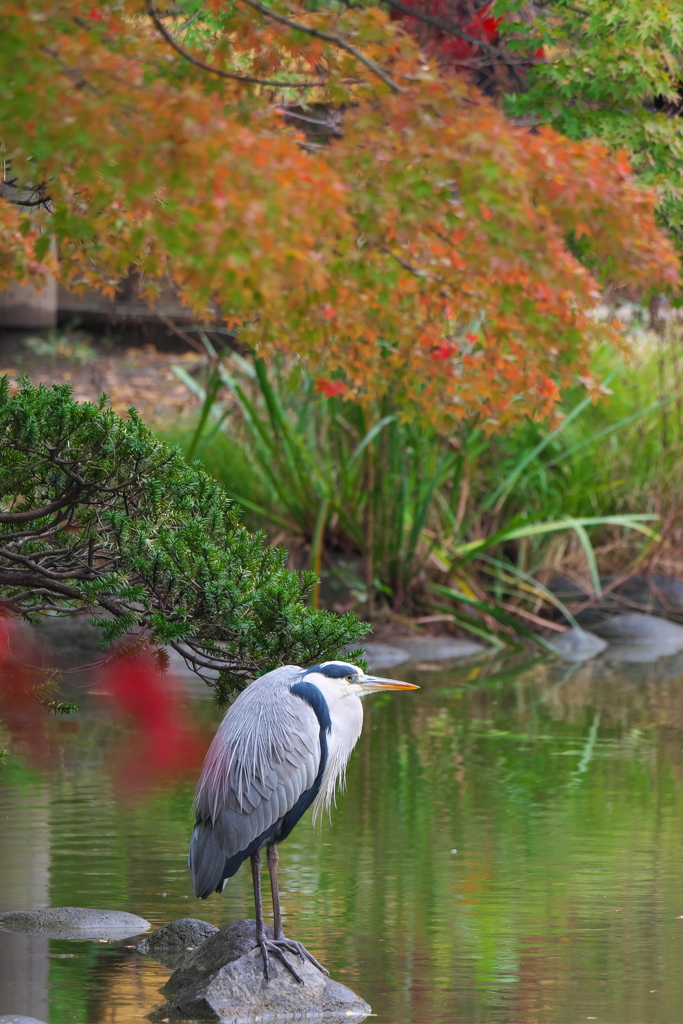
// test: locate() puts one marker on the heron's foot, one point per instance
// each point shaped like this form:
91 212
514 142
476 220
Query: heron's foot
278 948
292 946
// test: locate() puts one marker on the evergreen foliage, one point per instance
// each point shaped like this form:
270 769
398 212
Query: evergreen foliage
99 514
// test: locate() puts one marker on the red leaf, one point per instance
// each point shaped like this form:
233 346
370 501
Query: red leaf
442 352
330 388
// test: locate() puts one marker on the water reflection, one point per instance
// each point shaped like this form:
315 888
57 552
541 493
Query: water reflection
25 867
560 787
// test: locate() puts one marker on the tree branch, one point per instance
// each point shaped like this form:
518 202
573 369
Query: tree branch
233 76
328 38
494 51
670 226
39 513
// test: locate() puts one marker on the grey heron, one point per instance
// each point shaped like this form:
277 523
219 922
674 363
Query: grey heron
282 746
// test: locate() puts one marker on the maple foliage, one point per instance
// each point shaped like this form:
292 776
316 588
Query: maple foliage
433 251
614 72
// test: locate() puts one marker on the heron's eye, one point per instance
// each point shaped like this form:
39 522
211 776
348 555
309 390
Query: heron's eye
349 679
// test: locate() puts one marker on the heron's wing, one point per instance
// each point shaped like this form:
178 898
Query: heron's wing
264 757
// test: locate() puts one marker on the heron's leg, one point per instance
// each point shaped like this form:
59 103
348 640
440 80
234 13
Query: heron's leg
273 861
291 945
267 945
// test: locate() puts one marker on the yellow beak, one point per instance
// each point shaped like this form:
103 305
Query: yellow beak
371 683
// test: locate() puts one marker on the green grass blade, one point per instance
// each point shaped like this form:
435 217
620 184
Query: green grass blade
267 514
581 533
370 436
632 522
543 590
496 613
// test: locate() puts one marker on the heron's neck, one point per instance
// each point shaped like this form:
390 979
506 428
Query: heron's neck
346 715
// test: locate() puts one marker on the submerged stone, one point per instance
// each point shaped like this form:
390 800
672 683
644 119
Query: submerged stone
639 637
384 655
16 1018
223 981
578 645
171 944
436 648
74 923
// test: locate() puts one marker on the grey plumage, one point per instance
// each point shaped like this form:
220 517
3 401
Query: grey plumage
282 746
252 774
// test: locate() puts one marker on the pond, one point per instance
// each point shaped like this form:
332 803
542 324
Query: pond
508 849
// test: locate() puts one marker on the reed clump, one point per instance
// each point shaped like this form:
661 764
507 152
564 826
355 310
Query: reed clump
470 528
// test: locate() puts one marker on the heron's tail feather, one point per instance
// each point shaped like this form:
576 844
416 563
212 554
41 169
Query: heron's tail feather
206 861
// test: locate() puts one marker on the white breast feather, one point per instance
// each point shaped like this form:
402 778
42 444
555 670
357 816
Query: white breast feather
346 713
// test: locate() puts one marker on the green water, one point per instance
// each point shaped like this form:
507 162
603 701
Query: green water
560 787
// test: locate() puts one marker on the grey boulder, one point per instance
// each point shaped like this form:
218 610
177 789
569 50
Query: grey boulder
74 923
223 981
171 943
436 648
639 637
384 656
578 645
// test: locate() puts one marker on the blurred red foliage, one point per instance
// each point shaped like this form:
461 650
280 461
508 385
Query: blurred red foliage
162 741
159 741
21 714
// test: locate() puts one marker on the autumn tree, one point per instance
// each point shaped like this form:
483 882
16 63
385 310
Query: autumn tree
590 70
415 243
610 72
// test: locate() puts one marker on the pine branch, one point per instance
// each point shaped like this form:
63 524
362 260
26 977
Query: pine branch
138 533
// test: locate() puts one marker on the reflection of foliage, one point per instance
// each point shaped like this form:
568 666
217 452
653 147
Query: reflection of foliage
425 250
98 514
541 865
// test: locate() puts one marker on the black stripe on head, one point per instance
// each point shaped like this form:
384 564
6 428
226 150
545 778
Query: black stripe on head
333 669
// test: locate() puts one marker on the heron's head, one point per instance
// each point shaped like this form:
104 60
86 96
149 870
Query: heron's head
352 679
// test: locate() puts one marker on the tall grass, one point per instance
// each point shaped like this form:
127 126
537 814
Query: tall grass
468 526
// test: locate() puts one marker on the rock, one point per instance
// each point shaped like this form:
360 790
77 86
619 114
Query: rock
171 944
578 645
384 656
221 948
669 587
16 1018
433 648
223 981
637 637
640 637
636 627
74 923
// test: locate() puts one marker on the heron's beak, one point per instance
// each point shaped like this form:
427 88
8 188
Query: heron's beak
372 683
